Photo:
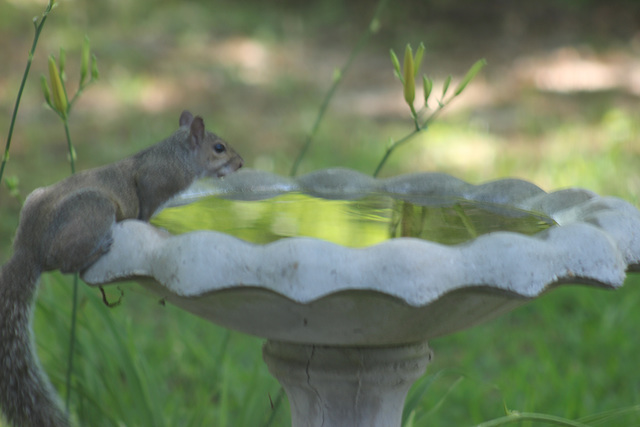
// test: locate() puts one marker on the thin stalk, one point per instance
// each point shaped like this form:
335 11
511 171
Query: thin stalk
408 137
371 28
466 221
79 92
72 342
38 30
74 302
276 405
518 417
72 153
393 147
415 119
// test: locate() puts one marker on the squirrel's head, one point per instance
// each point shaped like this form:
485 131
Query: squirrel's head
213 155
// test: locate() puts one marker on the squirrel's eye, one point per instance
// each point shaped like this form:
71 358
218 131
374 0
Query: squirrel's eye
219 148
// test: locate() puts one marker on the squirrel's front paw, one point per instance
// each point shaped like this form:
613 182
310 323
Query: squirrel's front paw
83 262
103 246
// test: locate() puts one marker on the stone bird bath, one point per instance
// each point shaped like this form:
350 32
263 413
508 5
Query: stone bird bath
347 328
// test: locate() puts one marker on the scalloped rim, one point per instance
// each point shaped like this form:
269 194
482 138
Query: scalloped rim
596 242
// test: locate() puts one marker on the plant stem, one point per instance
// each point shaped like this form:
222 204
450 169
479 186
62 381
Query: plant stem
74 302
394 146
466 221
276 405
72 153
414 115
371 28
38 28
417 130
79 92
518 417
72 342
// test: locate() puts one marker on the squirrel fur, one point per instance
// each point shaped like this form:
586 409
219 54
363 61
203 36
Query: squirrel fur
67 227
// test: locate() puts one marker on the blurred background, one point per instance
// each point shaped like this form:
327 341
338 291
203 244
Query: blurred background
557 105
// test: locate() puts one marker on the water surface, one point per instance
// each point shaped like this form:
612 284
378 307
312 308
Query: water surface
355 223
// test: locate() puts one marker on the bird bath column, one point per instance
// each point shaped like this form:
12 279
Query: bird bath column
334 386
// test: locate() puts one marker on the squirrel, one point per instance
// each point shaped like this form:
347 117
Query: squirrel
67 227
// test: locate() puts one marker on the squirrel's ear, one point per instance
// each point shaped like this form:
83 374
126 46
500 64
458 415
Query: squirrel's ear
197 131
186 118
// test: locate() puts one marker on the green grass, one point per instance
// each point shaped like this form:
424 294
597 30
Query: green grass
566 354
146 364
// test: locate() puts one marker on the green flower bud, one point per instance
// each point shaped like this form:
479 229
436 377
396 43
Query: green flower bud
409 79
59 96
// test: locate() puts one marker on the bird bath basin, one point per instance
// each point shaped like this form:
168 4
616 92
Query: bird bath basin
347 321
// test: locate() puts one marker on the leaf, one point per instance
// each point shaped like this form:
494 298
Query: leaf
85 58
62 64
396 65
445 87
417 59
475 69
95 75
409 79
45 89
427 85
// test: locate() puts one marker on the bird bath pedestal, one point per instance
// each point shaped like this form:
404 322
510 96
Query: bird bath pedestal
347 328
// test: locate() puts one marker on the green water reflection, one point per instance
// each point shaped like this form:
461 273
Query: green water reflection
354 223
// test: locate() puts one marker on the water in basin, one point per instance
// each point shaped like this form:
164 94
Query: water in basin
355 223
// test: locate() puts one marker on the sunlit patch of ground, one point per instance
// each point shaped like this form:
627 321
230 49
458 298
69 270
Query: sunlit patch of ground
570 69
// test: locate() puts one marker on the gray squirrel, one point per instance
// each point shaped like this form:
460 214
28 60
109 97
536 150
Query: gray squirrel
67 227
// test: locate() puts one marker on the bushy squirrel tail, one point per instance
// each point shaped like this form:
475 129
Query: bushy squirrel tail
27 398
